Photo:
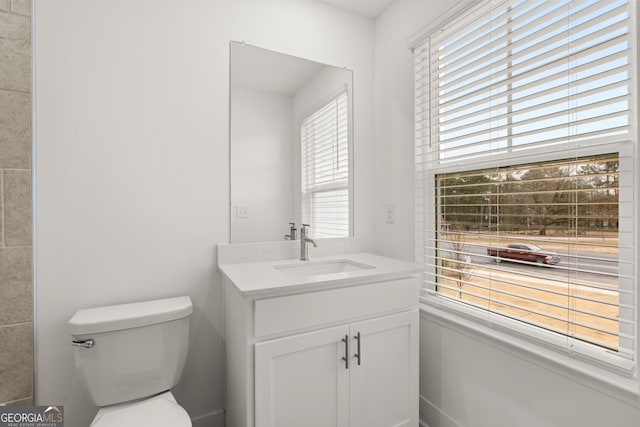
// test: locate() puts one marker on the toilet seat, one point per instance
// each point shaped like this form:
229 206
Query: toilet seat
158 411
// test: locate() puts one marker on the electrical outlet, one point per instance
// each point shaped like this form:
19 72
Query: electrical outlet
242 212
390 213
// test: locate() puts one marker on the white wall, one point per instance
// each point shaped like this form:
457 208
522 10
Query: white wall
463 381
467 383
394 121
132 176
262 173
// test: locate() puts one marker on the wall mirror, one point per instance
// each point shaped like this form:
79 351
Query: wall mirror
291 146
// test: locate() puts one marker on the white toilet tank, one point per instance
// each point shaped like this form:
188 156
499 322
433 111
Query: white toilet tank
131 351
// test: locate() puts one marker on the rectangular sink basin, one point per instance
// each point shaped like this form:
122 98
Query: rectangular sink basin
315 268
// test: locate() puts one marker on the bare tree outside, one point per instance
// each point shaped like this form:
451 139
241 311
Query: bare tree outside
458 261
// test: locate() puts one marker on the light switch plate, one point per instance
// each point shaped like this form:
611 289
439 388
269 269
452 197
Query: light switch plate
390 213
242 212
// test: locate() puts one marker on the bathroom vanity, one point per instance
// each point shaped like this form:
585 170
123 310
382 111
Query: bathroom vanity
329 342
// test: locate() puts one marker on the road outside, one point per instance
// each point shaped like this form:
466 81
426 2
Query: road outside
576 297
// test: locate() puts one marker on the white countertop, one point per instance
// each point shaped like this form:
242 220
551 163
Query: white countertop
264 278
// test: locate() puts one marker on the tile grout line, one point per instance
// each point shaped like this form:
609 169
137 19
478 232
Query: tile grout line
6 89
12 12
11 325
3 222
13 401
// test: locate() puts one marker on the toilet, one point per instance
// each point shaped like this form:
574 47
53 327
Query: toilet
129 357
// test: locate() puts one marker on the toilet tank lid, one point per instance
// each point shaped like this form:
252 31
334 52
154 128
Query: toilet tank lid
127 316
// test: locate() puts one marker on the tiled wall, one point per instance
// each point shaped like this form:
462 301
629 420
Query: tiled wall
16 247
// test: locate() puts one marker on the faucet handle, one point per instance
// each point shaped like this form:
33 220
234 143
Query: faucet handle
306 225
292 232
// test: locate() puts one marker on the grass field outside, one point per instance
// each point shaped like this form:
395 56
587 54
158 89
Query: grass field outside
572 307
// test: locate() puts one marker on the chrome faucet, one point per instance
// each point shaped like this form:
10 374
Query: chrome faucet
292 232
303 243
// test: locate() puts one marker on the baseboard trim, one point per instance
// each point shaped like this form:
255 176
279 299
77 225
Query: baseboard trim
212 419
432 416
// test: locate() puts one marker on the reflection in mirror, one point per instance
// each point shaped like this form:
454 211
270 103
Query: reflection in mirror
291 146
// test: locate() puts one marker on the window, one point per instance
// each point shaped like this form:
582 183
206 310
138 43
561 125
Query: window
525 180
325 169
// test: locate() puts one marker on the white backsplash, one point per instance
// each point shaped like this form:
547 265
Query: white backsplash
236 253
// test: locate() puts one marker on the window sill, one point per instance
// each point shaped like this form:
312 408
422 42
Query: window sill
623 387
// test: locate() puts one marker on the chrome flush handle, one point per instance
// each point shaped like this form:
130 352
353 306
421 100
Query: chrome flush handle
83 343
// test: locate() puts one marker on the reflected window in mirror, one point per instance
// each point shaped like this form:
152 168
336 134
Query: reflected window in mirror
277 100
324 137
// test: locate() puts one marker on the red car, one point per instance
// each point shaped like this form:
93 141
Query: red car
524 252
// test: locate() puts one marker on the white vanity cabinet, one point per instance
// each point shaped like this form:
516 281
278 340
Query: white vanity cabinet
300 382
338 352
323 379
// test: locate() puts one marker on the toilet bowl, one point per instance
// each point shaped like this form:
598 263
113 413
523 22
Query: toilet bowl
157 411
129 357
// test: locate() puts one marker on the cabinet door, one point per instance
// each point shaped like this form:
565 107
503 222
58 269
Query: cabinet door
384 385
302 380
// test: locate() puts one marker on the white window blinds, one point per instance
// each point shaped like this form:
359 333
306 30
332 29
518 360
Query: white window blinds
524 136
325 169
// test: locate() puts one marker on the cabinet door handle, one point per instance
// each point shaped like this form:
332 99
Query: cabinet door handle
345 340
357 355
